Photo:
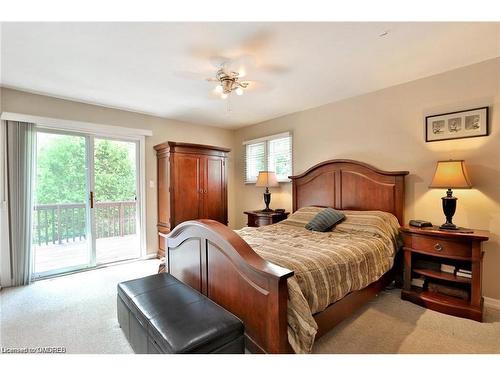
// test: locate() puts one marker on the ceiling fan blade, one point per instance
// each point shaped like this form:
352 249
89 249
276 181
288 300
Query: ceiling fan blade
250 81
219 61
274 68
242 71
242 65
259 86
191 75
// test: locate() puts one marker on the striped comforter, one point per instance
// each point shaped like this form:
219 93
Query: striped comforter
327 266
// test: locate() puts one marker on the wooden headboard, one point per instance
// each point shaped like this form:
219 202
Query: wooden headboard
350 185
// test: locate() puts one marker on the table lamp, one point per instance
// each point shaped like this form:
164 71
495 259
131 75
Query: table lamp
267 179
450 174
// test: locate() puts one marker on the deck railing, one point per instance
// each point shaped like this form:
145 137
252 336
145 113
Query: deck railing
66 222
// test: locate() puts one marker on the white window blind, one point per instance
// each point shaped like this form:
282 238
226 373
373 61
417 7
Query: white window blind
273 153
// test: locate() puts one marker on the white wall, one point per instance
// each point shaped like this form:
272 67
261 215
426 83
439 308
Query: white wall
386 129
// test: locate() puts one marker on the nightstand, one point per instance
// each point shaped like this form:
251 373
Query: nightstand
425 250
261 218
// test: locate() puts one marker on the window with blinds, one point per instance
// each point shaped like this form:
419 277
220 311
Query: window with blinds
273 153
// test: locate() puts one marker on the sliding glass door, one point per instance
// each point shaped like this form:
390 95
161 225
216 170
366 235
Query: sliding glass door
61 224
115 200
86 208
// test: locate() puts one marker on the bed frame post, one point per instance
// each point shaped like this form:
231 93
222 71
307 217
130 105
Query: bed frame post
279 310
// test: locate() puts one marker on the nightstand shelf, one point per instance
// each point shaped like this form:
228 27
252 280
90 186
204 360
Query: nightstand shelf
442 275
442 303
425 250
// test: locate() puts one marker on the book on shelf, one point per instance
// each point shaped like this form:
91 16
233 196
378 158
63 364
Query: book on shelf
463 270
464 274
418 282
447 268
448 290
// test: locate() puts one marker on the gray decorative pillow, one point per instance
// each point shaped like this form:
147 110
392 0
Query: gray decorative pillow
325 220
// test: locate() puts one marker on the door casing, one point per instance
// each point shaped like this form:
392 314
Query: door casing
90 187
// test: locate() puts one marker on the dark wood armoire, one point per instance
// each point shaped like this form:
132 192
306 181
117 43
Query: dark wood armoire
192 184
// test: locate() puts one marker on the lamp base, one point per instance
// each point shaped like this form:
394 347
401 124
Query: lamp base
449 226
449 207
267 200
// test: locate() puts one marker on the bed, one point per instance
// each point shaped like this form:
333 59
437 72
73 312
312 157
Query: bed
219 263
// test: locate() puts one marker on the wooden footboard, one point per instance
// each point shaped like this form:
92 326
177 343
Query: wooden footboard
213 259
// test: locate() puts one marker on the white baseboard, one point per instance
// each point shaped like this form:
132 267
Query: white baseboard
6 284
492 303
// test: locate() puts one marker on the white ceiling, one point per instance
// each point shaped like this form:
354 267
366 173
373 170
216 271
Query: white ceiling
159 68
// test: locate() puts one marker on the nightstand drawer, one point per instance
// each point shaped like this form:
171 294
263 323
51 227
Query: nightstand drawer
262 218
262 221
441 247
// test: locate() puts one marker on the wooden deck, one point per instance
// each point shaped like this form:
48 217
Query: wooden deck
112 249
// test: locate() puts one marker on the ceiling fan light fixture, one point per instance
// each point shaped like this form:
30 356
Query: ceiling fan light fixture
228 82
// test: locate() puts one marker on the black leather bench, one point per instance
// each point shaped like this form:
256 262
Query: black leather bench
159 314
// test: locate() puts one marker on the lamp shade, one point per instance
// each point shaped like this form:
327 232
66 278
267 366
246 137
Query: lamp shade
451 174
267 179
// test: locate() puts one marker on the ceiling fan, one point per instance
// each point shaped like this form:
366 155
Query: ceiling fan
228 82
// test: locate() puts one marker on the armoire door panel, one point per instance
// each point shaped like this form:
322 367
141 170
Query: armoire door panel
214 190
163 194
187 188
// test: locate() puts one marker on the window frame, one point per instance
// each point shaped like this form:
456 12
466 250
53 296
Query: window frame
266 141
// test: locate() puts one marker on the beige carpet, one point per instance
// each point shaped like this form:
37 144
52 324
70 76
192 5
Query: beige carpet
79 312
389 325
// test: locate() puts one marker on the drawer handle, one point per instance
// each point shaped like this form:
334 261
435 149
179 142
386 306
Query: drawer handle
438 247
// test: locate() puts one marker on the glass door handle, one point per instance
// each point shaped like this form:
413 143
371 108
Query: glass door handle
91 199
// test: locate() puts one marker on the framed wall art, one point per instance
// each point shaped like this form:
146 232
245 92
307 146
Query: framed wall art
455 125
